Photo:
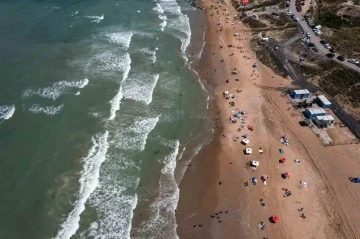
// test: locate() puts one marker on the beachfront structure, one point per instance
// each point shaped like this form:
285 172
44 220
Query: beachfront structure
324 121
323 102
311 113
300 94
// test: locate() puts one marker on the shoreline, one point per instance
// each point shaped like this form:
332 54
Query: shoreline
214 183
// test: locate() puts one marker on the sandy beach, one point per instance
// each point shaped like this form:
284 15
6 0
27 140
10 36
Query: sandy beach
217 198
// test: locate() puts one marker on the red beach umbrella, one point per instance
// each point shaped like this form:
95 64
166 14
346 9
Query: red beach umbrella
283 160
276 218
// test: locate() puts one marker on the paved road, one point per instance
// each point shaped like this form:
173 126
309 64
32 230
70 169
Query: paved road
299 79
316 40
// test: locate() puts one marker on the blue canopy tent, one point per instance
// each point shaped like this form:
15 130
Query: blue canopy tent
281 151
356 180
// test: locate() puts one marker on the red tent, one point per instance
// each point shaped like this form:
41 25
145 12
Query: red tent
276 218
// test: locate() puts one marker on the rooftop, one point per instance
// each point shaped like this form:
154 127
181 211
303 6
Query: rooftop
302 91
316 110
325 117
323 99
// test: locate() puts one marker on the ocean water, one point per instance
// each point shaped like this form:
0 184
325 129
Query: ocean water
101 110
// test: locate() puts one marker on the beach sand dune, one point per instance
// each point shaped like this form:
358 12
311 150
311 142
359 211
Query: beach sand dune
215 201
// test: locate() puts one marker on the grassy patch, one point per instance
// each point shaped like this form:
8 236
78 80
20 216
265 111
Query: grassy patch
346 40
265 55
279 21
265 4
326 16
253 23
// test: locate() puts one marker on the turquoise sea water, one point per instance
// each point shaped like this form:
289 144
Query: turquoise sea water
100 111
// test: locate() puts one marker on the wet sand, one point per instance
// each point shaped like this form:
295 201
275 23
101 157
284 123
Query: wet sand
212 192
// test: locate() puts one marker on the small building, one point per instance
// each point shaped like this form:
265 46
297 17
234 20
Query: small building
323 102
324 121
311 113
300 94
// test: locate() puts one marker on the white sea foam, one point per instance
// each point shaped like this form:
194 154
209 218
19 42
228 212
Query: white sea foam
170 6
6 112
115 102
96 19
110 61
140 88
113 200
57 89
88 182
120 38
158 8
163 23
48 110
162 222
149 52
180 23
134 137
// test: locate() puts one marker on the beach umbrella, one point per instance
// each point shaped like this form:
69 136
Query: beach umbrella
287 174
281 151
276 218
283 160
264 177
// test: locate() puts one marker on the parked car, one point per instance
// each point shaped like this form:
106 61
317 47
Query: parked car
332 50
315 49
354 61
308 34
310 44
323 42
327 46
358 64
296 19
288 13
341 58
330 55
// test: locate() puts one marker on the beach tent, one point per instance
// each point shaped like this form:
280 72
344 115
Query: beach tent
254 180
281 151
248 150
255 163
261 150
245 2
264 177
275 218
356 180
303 184
250 127
245 141
283 160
